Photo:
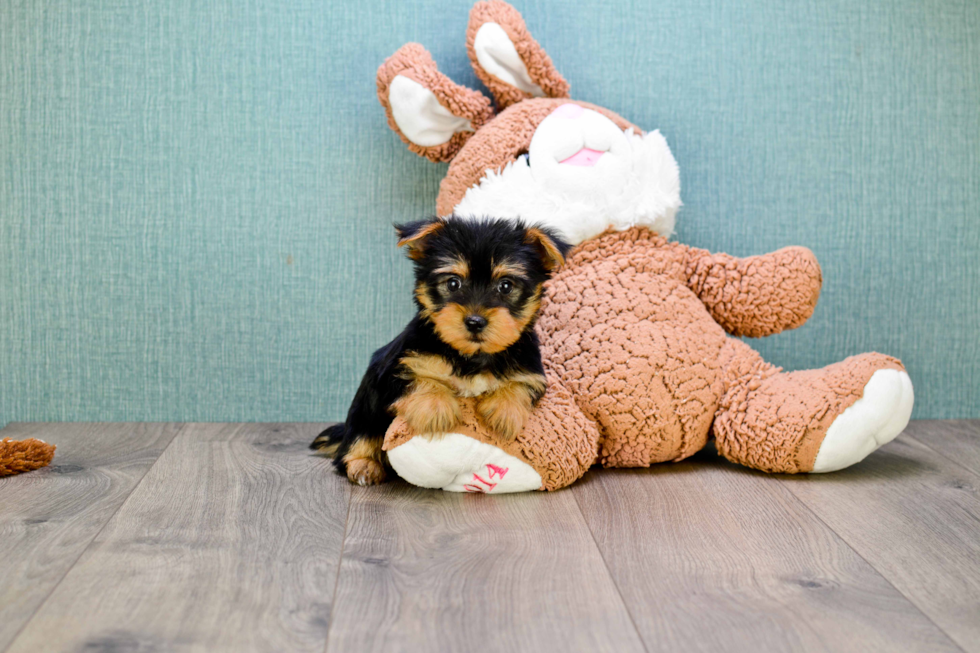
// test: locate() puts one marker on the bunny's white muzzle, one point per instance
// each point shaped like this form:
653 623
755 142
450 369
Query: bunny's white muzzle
582 176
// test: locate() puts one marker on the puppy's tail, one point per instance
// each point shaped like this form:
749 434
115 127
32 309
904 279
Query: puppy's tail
328 442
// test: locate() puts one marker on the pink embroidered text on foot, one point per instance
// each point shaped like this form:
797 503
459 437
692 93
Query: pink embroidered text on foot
493 470
479 483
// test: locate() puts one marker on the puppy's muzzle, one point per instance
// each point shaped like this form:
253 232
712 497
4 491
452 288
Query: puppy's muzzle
475 323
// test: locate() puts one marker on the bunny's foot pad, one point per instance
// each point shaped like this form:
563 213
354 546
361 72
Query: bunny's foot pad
458 463
872 421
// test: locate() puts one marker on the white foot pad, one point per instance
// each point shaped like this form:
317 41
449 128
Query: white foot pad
458 463
875 419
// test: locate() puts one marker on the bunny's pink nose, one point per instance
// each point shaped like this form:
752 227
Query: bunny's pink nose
569 111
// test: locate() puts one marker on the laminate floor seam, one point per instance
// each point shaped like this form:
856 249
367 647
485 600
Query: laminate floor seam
340 563
612 579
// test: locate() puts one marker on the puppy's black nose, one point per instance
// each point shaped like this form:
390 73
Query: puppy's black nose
475 323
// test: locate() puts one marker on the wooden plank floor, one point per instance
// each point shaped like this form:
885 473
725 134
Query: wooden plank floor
49 518
231 537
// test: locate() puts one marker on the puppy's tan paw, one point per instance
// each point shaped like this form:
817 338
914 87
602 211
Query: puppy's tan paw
505 415
429 412
365 471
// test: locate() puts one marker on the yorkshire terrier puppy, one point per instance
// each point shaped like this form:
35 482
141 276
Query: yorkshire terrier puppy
478 287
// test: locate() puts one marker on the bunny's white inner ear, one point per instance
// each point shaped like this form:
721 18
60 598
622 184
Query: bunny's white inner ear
497 55
419 115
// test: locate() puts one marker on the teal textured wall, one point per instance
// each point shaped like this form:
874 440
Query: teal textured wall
196 195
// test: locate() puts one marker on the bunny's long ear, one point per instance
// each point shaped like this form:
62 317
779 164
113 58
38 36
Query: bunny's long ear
507 58
432 115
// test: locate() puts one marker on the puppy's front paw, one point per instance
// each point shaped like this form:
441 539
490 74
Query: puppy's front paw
504 413
365 471
429 412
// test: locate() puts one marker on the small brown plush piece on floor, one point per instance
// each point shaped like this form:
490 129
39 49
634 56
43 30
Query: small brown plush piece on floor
17 457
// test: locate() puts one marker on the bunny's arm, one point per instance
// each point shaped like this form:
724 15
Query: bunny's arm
756 296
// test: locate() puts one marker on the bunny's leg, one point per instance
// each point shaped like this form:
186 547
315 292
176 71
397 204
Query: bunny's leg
812 420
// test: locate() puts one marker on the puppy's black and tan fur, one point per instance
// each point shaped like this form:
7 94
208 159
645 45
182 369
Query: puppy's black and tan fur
478 286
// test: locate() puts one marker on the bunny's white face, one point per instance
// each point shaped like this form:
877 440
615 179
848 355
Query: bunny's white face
583 175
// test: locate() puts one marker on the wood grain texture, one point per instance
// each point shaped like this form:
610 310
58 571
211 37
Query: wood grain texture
713 557
229 538
230 543
49 517
957 440
434 571
915 516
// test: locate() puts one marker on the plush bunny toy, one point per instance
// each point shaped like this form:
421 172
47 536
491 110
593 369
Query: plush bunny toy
635 330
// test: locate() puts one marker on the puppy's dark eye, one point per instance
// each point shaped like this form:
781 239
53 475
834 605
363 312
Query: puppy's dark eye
453 284
505 286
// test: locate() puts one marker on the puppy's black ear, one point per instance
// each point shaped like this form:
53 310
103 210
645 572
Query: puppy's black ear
412 235
551 248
